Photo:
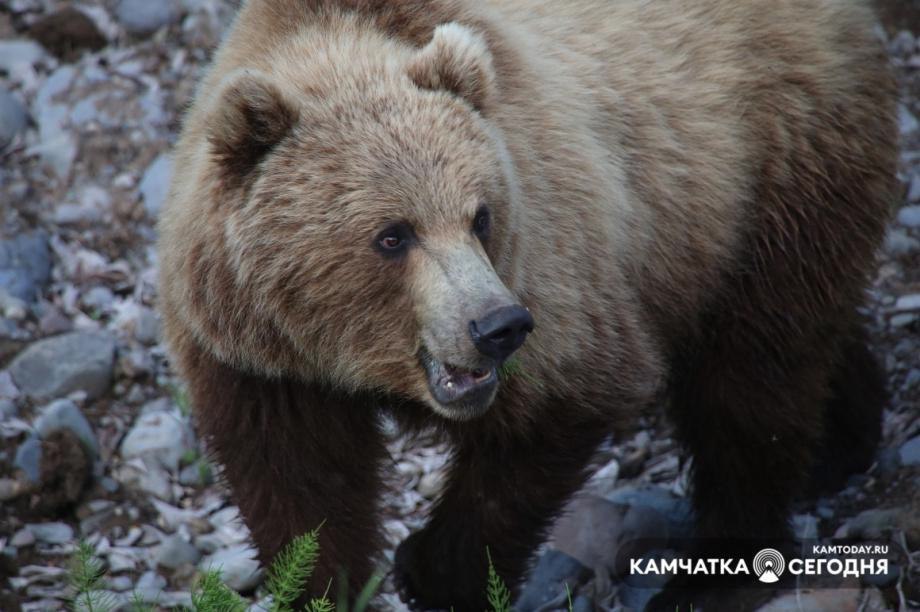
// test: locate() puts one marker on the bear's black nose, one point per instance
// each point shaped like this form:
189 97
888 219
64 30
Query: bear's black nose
502 331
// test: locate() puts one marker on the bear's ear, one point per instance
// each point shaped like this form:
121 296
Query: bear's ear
456 60
251 116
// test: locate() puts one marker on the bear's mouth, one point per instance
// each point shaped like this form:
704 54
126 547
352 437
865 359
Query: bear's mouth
461 393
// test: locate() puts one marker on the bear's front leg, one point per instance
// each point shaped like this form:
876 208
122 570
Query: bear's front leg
505 487
297 457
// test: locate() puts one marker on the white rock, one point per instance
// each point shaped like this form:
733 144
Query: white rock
175 552
155 184
59 365
13 117
163 436
910 452
22 538
149 588
57 146
237 565
147 326
51 533
909 216
8 389
430 484
908 302
898 243
120 583
144 17
906 120
145 475
119 561
913 192
902 44
16 52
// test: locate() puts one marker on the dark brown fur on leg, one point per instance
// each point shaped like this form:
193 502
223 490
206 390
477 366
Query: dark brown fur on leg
281 444
751 426
853 416
750 385
504 490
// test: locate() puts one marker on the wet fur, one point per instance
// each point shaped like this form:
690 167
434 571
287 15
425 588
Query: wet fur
699 192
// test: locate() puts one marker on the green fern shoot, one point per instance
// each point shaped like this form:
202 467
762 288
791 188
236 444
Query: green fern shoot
212 595
290 570
86 580
497 593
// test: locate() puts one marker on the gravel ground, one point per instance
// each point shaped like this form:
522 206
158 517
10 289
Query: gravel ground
95 436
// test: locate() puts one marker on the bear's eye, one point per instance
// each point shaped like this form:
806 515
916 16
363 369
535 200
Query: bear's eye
482 222
394 238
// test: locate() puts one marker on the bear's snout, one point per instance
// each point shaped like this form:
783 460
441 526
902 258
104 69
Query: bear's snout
502 331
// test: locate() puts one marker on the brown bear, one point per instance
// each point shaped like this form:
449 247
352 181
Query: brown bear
377 202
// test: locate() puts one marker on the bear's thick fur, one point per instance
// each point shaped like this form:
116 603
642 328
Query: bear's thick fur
685 196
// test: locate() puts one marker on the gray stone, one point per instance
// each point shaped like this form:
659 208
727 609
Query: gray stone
150 585
912 380
8 389
554 571
99 299
52 533
146 475
175 552
14 54
909 216
906 120
582 604
870 525
198 474
913 191
898 243
13 117
590 530
22 538
7 409
57 366
147 326
25 264
120 583
805 526
908 302
649 502
58 145
889 462
430 484
237 565
12 307
902 44
63 414
155 184
161 436
29 458
903 320
143 17
909 452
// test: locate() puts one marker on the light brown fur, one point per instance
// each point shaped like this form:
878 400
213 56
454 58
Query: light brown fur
659 172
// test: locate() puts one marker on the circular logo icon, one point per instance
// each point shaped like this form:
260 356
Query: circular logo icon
769 565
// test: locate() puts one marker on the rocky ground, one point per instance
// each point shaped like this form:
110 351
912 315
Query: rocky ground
96 440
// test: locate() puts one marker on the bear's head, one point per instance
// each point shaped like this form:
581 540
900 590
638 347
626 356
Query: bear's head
366 203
